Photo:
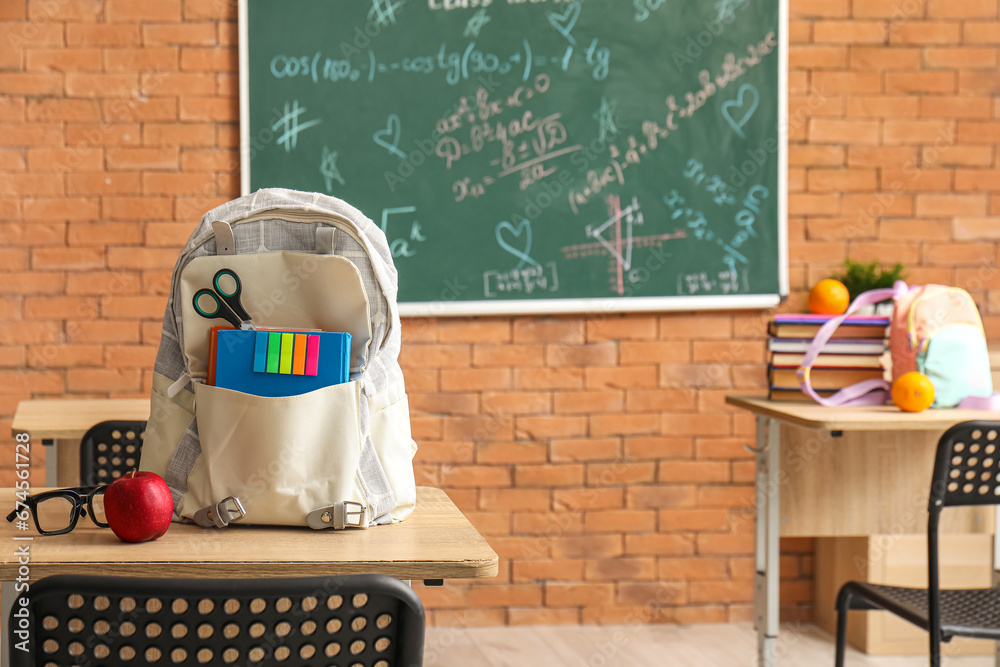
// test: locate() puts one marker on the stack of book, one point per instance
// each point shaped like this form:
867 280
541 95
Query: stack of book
854 353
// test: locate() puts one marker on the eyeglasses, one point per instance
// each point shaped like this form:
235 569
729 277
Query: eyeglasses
56 512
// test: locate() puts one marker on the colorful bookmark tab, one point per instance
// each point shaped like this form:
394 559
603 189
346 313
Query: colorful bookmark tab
299 362
260 352
312 355
273 351
287 345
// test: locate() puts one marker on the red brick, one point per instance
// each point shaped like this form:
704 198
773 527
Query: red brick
102 332
572 595
548 476
78 208
978 82
955 107
137 108
824 131
465 476
107 233
221 109
178 134
936 206
474 331
961 57
102 134
517 402
620 521
541 427
184 34
628 327
547 570
965 9
99 34
895 106
924 32
849 32
982 32
884 58
657 497
34 83
604 474
62 59
818 57
920 82
847 82
627 569
548 378
590 449
586 402
594 354
139 208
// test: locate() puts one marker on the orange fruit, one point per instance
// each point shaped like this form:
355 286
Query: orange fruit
913 392
829 297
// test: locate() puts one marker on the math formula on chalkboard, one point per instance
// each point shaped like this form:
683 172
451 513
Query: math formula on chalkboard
535 155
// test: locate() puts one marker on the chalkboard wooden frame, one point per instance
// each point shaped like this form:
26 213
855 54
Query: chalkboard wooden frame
609 304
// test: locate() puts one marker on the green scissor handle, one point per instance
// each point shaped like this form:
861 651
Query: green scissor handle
227 301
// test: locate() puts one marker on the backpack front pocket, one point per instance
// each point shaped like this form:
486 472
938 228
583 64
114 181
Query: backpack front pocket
956 360
283 457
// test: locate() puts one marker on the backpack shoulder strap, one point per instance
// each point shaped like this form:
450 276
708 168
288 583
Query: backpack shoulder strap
867 392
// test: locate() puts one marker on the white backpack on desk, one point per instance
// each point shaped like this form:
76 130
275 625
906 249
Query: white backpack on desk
336 457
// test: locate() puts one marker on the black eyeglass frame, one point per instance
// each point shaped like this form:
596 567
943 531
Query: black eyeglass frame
78 496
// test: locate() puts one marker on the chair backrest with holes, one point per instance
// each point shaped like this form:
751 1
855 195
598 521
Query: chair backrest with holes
109 450
364 619
967 466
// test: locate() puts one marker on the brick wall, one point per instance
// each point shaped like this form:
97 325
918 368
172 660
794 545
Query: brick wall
594 452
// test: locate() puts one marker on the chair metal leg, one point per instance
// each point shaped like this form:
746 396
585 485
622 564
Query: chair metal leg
843 606
935 650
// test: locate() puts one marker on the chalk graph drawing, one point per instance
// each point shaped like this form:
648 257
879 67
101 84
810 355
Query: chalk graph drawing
746 107
289 121
618 243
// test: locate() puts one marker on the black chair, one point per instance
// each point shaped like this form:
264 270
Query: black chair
966 472
361 620
109 450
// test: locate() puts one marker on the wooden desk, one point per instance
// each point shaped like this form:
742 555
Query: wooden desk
885 448
435 542
62 423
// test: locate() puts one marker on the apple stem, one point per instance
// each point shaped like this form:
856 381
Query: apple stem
132 473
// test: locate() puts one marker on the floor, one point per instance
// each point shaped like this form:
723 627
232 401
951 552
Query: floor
722 645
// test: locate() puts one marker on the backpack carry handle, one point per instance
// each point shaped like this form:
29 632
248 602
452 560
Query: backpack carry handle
867 392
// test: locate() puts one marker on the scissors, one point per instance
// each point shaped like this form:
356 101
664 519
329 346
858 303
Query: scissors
227 302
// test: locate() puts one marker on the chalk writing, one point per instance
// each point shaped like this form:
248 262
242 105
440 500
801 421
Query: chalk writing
328 167
388 137
538 277
643 8
291 127
468 63
402 246
726 282
720 190
476 23
745 104
697 222
605 117
564 23
520 243
653 133
383 12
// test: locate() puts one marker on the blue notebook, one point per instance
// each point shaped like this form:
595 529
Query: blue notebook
281 363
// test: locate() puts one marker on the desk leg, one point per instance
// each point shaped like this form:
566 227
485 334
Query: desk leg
51 462
996 570
766 548
7 596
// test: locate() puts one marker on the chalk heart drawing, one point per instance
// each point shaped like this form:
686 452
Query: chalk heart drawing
522 233
740 105
391 131
564 22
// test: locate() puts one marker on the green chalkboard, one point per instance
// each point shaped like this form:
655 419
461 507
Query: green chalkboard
535 156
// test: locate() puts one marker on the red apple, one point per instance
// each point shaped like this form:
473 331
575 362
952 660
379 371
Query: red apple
138 506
